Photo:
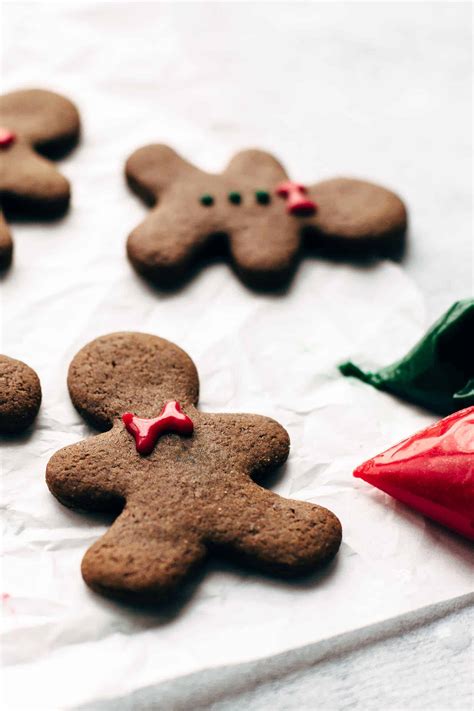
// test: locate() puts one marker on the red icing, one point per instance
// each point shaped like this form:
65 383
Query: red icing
7 137
296 202
147 430
6 600
432 471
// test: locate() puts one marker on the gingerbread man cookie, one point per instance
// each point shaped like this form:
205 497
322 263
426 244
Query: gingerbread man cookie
180 479
264 218
20 395
34 124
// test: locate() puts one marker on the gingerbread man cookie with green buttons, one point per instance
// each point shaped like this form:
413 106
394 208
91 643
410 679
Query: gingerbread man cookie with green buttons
181 482
264 220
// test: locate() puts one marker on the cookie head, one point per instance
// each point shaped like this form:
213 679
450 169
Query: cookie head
358 216
130 372
20 395
43 119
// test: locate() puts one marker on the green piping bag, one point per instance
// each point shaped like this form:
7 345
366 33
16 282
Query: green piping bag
438 373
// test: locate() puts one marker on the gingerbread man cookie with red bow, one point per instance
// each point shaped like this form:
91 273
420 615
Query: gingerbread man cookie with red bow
263 219
181 481
34 125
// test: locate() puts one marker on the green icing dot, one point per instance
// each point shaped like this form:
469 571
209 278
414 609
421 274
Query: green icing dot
207 200
235 198
262 197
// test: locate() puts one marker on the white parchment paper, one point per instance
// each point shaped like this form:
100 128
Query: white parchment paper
150 72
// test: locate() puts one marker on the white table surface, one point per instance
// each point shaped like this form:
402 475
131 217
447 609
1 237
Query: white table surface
381 90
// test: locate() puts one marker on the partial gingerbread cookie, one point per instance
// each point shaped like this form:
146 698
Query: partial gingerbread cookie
6 244
20 395
181 479
265 218
34 125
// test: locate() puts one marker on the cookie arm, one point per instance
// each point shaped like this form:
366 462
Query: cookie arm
279 535
139 558
85 475
162 247
255 444
151 169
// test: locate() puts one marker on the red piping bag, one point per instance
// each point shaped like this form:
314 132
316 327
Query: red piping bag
432 471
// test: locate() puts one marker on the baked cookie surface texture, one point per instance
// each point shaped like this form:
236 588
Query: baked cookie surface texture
264 218
20 395
180 480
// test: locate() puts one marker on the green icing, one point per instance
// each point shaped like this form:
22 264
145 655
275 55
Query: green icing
438 373
262 197
206 200
235 198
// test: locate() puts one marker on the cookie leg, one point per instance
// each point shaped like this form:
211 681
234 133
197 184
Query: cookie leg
33 186
278 535
162 247
265 253
138 560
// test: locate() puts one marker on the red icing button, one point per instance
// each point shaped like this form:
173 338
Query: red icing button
432 471
7 137
147 430
296 202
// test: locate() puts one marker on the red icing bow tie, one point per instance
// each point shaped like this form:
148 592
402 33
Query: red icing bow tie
432 471
6 137
296 201
147 430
